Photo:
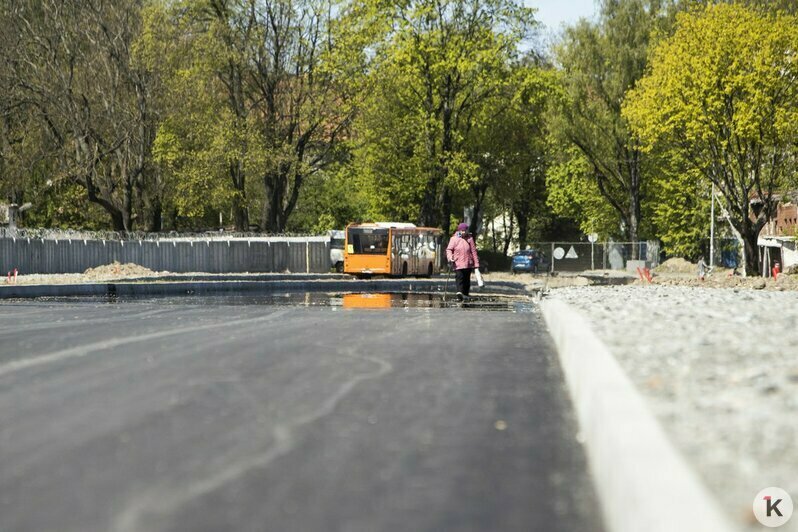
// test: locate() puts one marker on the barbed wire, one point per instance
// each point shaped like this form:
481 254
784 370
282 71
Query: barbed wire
71 234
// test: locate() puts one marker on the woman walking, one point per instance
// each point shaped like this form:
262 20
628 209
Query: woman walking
462 256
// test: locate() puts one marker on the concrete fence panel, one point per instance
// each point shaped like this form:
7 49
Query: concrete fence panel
37 255
319 257
297 253
279 256
259 258
218 255
6 260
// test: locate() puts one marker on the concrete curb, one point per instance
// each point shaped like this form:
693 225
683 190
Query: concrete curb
642 482
124 289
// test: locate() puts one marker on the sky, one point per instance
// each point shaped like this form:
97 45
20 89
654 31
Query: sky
553 13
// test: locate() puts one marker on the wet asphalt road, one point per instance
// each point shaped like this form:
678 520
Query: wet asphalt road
153 416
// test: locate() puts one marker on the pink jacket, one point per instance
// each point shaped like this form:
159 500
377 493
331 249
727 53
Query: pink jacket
463 252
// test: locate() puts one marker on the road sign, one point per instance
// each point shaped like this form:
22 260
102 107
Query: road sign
592 238
571 254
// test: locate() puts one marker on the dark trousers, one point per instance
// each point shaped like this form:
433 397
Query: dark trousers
463 280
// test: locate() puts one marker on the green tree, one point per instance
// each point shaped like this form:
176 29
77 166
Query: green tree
332 199
437 64
198 148
508 144
680 209
765 6
600 62
262 92
722 95
70 66
574 194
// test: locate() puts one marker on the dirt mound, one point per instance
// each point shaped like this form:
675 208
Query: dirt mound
117 270
676 265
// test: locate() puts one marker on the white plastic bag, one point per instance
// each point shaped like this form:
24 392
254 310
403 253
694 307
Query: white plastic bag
480 282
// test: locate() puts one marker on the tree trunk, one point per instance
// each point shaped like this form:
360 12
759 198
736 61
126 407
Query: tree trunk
634 205
749 232
156 217
429 211
429 216
268 218
447 144
751 252
240 215
116 214
479 197
127 203
445 211
523 226
508 235
117 220
272 218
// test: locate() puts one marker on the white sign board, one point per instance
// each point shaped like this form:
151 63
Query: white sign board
559 253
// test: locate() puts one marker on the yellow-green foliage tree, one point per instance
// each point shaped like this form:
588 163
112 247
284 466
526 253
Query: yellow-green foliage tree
438 65
722 95
508 146
680 209
573 193
77 106
601 161
260 95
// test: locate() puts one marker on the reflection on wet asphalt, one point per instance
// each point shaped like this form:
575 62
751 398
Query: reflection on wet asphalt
323 299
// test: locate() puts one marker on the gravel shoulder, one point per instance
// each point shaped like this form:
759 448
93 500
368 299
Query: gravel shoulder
719 370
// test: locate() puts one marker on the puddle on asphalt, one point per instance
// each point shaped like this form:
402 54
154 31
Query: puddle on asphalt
336 301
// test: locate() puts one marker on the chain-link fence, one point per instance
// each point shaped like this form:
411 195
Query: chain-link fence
583 256
70 234
727 252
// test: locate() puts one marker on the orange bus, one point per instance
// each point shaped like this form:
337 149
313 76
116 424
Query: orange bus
388 248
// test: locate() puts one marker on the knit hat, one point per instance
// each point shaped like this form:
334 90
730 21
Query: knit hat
462 227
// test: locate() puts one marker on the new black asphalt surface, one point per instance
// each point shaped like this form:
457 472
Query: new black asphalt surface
190 416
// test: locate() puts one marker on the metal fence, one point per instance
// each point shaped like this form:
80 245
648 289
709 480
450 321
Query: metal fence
178 255
583 256
56 251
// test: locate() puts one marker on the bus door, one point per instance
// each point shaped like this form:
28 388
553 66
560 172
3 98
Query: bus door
426 253
404 252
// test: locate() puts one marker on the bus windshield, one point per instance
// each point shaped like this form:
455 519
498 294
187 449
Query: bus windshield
367 241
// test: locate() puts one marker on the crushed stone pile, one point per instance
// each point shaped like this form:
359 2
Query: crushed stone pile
676 265
117 270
